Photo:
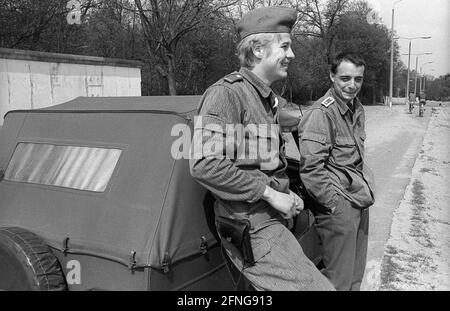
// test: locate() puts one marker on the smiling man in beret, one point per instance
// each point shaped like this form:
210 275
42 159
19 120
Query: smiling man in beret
252 192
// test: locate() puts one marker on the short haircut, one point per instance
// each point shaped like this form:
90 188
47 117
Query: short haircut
351 57
246 46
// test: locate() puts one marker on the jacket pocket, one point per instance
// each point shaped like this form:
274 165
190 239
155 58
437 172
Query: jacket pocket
319 138
265 145
344 150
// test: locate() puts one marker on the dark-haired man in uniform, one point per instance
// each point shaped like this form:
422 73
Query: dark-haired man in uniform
251 187
333 171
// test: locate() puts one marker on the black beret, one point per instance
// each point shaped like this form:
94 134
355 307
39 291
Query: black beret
272 19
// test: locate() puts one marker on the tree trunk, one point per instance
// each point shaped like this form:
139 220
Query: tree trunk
374 95
172 84
381 94
171 76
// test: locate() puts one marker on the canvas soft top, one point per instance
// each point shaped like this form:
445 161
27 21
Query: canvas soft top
152 207
170 104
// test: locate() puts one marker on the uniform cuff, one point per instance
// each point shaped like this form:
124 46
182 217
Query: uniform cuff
258 192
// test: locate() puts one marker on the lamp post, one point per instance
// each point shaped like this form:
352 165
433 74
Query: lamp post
415 77
409 61
415 81
391 76
407 83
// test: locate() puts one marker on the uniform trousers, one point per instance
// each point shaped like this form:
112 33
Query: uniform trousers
344 236
281 264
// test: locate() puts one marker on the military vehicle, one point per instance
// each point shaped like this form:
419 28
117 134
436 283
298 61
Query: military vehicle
92 198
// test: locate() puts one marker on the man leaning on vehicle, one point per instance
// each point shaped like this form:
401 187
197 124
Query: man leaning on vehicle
333 171
252 194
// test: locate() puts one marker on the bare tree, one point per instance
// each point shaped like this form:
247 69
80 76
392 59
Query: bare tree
23 20
26 24
166 22
319 19
253 4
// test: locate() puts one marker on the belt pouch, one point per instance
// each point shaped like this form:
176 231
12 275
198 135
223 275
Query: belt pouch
236 231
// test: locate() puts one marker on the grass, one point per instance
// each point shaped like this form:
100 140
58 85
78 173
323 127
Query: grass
400 267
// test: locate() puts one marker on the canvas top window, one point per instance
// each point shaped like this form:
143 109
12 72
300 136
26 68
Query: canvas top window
75 167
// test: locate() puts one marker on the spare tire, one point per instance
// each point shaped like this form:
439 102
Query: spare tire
27 263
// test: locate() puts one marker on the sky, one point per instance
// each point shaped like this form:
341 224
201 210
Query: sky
418 18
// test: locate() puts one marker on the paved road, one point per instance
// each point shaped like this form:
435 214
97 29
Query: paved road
394 140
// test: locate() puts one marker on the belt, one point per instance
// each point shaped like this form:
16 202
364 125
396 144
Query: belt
262 214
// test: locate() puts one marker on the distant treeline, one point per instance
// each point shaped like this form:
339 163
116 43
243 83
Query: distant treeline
438 89
186 45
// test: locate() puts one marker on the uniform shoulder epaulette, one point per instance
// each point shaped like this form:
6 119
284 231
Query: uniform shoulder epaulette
327 101
233 77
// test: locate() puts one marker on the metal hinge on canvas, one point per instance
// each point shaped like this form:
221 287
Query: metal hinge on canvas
132 260
203 246
65 245
166 263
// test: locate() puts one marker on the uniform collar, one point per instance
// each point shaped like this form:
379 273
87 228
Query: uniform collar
342 105
259 84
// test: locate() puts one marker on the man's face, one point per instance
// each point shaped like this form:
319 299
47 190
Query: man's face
276 59
347 80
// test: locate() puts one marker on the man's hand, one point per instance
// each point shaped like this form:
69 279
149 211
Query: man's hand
299 205
288 205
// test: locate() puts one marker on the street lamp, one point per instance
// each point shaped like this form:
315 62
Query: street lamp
409 61
391 77
415 78
415 81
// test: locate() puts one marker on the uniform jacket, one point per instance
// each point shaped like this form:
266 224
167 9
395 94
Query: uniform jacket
331 140
238 182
